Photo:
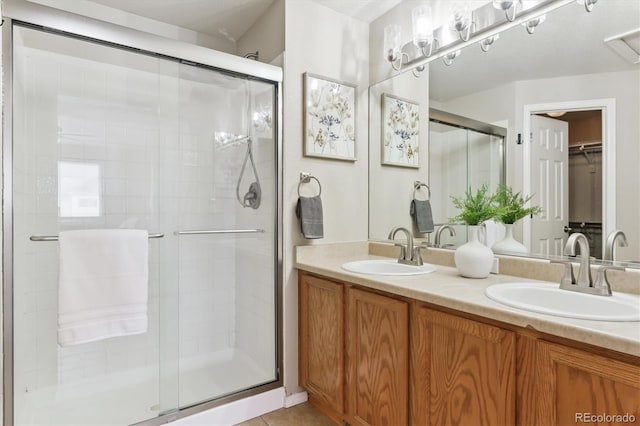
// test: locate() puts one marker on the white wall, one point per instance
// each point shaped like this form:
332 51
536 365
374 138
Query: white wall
266 35
323 42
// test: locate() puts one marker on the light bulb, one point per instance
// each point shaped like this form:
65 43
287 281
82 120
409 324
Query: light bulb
422 26
392 43
460 15
588 4
532 23
502 4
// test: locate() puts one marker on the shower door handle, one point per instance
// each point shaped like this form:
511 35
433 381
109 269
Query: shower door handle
222 231
39 238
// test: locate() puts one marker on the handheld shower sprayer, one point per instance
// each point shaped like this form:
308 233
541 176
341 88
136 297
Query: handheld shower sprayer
254 195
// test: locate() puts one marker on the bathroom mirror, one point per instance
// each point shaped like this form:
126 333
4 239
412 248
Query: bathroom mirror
564 68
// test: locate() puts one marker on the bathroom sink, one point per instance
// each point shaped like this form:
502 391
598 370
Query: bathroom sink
386 267
550 299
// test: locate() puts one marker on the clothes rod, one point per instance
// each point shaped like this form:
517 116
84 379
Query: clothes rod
223 231
55 237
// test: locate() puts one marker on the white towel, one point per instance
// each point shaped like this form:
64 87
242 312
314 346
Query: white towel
102 285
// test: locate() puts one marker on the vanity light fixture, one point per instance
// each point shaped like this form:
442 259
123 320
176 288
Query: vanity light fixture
393 45
431 40
509 7
461 19
486 43
417 71
422 31
588 4
422 26
531 24
449 57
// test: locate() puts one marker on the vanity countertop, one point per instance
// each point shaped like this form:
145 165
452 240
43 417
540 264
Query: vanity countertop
446 288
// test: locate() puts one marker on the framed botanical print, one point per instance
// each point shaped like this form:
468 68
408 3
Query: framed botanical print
329 118
400 132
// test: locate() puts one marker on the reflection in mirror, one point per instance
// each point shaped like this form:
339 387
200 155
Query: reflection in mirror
572 63
391 184
463 153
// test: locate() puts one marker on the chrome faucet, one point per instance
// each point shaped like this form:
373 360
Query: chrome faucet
452 233
584 283
409 254
610 246
584 273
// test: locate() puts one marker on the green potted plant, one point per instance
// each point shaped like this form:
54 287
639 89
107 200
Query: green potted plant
510 208
474 259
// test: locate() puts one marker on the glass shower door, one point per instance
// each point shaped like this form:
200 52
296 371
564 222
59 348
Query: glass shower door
447 174
105 138
90 122
461 158
226 214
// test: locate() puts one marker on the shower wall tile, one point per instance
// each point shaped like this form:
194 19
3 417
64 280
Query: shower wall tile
72 116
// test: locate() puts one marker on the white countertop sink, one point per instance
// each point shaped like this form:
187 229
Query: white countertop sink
550 299
386 267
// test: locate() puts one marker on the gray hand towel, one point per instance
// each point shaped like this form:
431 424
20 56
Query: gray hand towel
309 211
420 210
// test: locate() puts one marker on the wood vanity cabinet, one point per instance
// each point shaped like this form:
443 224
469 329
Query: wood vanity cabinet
370 385
367 358
463 372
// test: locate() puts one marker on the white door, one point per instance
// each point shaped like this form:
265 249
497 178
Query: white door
549 184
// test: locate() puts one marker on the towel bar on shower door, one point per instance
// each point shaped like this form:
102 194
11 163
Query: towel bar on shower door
222 231
55 237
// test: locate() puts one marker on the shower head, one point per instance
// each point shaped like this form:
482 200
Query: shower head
224 139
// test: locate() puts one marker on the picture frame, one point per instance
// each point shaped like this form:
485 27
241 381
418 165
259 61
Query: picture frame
400 137
330 111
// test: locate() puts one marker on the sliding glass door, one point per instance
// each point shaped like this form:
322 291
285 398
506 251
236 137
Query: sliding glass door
106 138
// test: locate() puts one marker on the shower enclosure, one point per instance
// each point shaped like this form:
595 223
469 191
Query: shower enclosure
463 153
98 136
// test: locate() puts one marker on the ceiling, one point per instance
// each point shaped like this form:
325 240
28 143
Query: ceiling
363 10
228 19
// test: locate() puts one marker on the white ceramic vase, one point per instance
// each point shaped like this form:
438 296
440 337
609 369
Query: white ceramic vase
474 259
509 244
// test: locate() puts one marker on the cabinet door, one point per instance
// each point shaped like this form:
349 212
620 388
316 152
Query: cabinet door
577 387
377 359
462 371
321 343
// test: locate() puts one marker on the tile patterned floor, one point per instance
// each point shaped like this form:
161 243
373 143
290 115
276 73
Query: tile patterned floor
299 415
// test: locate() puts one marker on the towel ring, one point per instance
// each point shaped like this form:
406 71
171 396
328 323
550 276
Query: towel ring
416 187
306 178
